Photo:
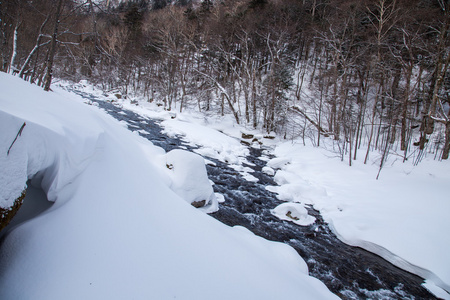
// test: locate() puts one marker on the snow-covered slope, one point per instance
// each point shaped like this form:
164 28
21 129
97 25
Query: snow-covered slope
117 230
403 216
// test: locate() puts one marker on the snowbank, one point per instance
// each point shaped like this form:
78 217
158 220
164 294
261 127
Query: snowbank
189 178
213 143
294 212
403 216
117 230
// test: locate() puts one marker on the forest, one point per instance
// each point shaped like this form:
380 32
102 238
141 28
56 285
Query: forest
370 75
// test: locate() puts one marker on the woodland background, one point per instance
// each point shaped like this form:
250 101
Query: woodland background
371 75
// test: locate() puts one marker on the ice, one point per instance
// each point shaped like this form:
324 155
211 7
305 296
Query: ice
433 288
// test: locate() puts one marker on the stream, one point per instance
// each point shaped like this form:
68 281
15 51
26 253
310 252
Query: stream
349 272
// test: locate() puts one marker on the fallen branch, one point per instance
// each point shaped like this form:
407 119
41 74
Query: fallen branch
223 91
319 128
17 135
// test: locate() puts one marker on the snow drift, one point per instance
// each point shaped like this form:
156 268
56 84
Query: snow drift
403 216
116 229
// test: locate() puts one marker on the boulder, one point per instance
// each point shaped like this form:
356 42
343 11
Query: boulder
7 214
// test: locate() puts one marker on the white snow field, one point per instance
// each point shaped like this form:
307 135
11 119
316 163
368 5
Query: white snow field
403 216
117 230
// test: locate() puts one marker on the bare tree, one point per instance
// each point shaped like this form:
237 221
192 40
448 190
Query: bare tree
53 45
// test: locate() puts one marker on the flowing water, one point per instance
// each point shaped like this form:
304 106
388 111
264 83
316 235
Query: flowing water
349 272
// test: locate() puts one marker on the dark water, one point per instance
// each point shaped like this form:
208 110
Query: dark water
349 272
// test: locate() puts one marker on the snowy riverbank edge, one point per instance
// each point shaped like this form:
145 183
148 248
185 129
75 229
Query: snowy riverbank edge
117 230
402 217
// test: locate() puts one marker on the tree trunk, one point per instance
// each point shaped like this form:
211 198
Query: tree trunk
446 150
320 114
30 55
403 145
393 109
334 125
254 104
51 57
441 69
374 111
14 51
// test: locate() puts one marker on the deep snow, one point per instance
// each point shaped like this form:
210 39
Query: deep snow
402 216
119 228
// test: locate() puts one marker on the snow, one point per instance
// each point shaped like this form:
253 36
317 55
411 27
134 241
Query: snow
402 217
119 228
268 171
216 144
216 137
189 178
13 166
437 291
293 212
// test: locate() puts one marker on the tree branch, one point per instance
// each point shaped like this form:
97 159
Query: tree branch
319 128
17 135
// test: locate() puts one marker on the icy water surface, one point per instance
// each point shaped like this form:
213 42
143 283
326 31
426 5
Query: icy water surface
349 272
